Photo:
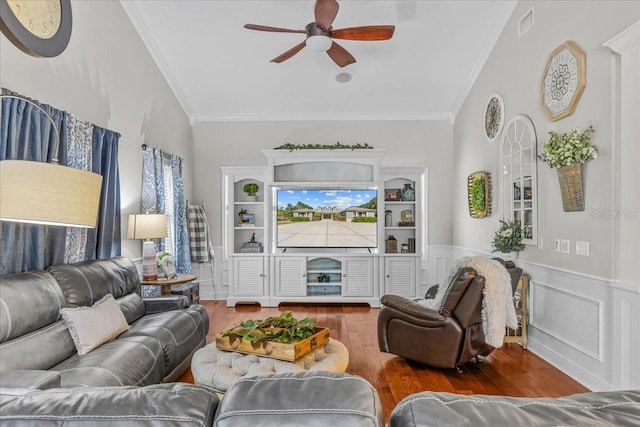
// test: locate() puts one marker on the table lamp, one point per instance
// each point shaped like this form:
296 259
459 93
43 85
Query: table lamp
147 227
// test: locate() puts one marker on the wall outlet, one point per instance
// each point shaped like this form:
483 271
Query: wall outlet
565 246
540 245
556 245
582 248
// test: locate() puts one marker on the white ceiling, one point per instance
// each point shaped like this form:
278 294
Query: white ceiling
222 71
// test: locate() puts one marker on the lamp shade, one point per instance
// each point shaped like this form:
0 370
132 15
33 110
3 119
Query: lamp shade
48 193
147 226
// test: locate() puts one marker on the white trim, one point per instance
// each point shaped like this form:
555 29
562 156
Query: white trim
625 40
534 285
292 117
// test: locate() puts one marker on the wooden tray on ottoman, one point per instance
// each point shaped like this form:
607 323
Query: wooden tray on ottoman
275 350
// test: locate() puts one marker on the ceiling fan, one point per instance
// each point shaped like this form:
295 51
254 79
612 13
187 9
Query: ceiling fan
320 34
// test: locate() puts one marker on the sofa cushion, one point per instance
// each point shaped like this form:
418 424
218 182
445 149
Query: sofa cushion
29 302
312 399
86 282
618 408
179 332
157 405
124 361
26 351
95 325
456 289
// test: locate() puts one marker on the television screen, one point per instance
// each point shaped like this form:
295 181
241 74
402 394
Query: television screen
327 218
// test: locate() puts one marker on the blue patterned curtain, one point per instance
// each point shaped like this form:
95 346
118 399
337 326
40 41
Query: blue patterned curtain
27 134
153 201
182 257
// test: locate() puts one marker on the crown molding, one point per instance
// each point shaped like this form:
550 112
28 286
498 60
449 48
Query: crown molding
144 33
292 117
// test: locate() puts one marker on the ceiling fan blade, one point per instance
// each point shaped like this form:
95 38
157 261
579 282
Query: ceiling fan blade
325 12
340 55
288 54
372 32
271 29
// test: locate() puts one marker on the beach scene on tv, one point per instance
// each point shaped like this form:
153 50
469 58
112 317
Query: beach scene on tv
327 218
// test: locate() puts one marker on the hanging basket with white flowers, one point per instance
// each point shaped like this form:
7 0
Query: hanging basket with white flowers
567 152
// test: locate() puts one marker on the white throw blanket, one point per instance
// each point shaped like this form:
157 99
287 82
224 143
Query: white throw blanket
498 311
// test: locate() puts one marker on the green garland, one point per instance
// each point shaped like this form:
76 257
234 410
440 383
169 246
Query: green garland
336 146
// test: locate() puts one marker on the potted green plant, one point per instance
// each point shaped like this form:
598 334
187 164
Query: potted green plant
567 152
508 239
251 189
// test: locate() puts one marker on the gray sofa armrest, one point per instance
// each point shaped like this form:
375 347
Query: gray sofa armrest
165 303
33 379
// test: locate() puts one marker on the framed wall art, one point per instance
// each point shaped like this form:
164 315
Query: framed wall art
493 118
563 81
479 194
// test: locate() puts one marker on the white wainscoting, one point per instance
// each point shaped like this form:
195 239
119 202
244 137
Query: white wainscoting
588 327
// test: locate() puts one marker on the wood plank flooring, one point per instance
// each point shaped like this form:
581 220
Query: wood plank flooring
510 370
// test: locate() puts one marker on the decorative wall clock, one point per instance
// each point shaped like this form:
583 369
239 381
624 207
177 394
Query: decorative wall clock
493 117
39 28
564 80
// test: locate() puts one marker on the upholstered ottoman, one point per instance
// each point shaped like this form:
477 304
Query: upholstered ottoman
221 369
310 399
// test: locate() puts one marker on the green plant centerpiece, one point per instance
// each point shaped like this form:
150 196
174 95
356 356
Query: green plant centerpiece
569 148
251 188
508 238
282 329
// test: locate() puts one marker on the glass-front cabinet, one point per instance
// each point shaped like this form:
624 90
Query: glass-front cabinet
519 190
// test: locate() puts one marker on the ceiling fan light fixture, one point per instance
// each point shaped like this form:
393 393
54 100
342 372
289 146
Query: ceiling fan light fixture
319 43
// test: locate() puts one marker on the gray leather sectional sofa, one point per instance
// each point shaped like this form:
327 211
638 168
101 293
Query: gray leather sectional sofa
44 382
37 349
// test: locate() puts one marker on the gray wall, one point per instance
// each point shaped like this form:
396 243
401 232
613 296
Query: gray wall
408 143
106 76
514 69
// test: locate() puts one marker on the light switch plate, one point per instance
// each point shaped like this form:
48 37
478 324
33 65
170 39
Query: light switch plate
582 248
556 245
565 246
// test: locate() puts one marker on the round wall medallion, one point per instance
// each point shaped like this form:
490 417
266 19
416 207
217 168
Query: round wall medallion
493 118
564 80
39 28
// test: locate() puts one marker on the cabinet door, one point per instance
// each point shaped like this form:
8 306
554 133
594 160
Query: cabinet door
357 277
249 276
400 276
290 276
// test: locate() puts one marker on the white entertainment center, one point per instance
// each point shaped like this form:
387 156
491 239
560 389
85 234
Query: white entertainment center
266 271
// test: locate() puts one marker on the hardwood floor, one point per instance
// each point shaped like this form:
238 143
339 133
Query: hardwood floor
510 370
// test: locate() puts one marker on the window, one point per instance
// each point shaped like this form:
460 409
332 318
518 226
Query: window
167 173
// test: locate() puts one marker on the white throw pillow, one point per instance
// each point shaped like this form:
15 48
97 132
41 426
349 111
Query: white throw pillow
92 326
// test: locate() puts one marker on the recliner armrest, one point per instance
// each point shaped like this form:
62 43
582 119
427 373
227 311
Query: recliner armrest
165 303
33 379
411 308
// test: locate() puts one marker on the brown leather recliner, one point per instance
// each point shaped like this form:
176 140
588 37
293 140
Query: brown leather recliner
444 338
